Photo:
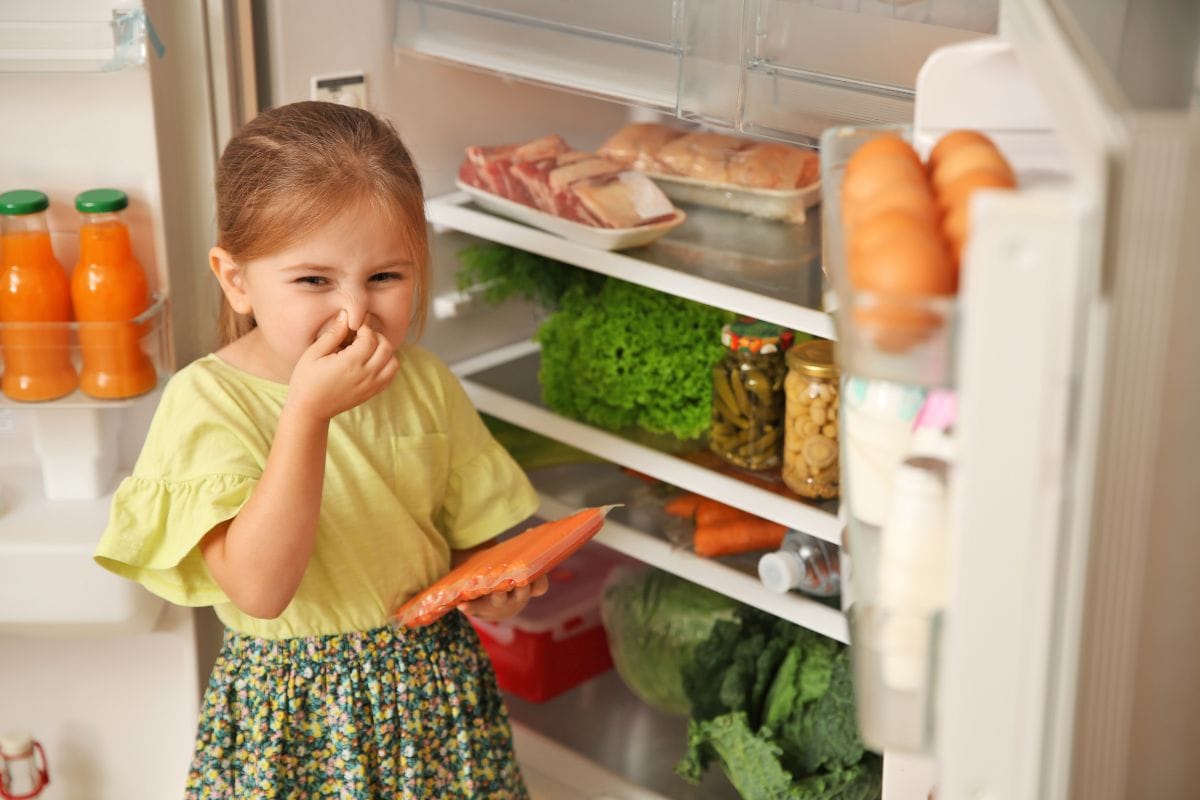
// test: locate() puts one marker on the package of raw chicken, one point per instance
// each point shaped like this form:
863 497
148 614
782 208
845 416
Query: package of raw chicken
516 561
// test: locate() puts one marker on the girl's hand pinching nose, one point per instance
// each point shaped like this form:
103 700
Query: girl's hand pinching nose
331 377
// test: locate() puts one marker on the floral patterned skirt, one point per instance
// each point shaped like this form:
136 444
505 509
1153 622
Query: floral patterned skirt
381 714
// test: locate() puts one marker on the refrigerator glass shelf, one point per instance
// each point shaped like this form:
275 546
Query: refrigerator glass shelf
638 531
94 45
504 383
766 269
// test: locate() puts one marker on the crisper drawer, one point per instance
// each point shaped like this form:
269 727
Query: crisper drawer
782 68
813 64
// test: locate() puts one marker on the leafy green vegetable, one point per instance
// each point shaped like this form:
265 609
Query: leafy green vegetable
654 621
505 272
630 356
774 705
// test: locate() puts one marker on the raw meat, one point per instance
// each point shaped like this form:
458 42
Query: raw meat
548 175
774 166
703 156
625 201
637 145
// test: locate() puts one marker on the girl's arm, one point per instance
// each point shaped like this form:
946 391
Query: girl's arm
259 557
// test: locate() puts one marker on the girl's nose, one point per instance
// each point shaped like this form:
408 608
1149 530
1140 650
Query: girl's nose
354 300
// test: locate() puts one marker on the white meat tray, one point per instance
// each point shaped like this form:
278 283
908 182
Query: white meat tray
790 205
599 238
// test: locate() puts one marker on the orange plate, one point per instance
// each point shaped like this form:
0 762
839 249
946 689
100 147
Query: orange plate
517 561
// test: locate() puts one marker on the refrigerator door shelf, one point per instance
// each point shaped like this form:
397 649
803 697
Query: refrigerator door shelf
49 584
78 45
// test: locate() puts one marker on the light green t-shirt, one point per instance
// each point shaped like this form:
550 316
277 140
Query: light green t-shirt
409 475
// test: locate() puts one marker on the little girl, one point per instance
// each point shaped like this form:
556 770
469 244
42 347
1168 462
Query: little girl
314 473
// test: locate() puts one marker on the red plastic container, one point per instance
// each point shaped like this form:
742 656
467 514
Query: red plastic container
558 641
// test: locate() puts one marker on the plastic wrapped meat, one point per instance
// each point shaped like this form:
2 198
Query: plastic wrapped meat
637 145
774 166
703 156
628 200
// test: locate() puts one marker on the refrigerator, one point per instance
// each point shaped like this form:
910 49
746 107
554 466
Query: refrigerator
1063 659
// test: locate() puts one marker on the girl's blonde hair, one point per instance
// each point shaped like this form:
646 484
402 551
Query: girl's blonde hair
294 168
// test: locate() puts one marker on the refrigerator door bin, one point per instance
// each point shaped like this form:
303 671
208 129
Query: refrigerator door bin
78 45
76 437
901 339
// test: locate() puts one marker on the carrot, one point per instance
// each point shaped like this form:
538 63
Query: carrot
738 536
682 506
711 512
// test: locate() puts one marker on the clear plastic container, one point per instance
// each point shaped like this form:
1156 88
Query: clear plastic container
810 448
908 340
148 329
748 398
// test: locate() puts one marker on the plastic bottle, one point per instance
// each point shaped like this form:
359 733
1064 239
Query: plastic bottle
109 286
33 289
802 562
913 579
23 771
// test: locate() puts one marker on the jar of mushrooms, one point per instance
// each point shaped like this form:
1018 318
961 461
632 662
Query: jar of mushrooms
810 436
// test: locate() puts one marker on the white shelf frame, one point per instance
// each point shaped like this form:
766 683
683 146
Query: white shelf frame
611 447
453 211
748 589
120 41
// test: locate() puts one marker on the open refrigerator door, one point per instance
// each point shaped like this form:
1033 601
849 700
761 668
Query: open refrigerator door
103 95
1011 605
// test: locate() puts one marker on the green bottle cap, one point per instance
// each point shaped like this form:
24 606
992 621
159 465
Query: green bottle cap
99 201
23 201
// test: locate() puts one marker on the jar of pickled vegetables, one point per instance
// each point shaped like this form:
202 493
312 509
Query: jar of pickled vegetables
810 442
748 399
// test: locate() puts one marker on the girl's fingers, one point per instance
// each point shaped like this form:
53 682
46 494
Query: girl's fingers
383 352
539 587
329 341
363 345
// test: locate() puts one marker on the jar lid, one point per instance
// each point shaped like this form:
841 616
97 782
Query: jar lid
814 358
23 201
99 201
756 336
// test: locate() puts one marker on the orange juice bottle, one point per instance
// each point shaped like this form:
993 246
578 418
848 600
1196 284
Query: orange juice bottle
109 290
33 291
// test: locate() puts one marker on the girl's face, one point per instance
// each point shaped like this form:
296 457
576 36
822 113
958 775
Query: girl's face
360 262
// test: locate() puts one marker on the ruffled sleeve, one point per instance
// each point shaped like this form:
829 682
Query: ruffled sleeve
486 491
155 526
202 457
